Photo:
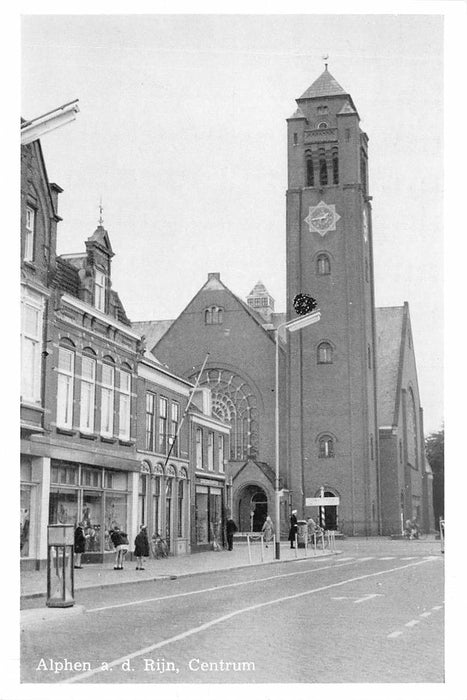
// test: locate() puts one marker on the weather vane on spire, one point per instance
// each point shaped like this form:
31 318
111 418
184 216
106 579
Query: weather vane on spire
325 57
101 209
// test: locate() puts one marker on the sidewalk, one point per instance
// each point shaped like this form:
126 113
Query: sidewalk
34 583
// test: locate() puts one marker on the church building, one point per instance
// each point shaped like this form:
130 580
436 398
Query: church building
350 420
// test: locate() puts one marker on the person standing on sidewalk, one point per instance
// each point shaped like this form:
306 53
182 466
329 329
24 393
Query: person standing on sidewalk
120 542
231 529
293 529
141 547
80 545
268 530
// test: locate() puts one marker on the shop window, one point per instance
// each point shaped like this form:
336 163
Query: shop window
88 394
25 519
66 369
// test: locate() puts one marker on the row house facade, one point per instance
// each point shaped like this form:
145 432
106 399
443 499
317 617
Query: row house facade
105 439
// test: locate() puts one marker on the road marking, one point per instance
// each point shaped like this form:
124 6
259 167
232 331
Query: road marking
437 607
356 599
412 623
346 558
425 614
393 635
229 616
407 558
386 558
365 558
212 588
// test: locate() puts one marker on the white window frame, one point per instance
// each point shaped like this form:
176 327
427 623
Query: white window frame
99 290
174 423
221 451
31 339
210 451
199 448
65 388
88 394
29 239
107 400
124 408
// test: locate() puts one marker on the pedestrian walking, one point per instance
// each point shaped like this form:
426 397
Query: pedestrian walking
231 529
141 547
268 530
80 545
120 542
293 529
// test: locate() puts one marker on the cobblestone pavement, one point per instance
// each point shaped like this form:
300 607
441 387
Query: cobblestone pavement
373 618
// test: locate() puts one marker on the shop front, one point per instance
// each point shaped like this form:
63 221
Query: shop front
97 497
210 510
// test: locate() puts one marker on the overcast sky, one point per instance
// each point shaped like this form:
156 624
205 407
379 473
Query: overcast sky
182 133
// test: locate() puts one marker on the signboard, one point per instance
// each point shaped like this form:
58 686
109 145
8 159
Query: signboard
325 501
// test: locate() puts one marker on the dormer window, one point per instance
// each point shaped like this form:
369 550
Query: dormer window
99 291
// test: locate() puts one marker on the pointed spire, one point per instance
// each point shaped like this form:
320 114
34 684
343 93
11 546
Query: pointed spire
324 86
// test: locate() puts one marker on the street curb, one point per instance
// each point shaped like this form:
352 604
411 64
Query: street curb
173 577
39 616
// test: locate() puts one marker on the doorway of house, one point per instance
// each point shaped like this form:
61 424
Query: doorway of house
252 509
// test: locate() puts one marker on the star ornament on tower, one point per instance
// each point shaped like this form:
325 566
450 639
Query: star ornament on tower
322 218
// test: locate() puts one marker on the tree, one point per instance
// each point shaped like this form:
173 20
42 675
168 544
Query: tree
434 445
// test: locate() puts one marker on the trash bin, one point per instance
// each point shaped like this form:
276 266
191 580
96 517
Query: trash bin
302 533
60 573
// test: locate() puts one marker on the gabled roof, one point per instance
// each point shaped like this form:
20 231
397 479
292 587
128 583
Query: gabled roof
324 86
390 333
66 277
262 466
214 283
152 330
101 238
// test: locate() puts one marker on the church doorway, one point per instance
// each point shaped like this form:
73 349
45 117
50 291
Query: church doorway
328 516
252 508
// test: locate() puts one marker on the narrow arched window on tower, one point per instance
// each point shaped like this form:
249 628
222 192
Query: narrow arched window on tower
363 174
325 354
323 264
335 166
310 176
326 447
323 168
369 357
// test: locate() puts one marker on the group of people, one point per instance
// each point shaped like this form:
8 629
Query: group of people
120 541
412 529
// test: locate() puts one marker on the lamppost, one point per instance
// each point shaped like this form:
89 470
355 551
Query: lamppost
295 325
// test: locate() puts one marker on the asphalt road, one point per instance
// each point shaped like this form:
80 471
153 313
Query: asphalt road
365 619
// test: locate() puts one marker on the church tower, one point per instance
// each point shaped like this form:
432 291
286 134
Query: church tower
333 447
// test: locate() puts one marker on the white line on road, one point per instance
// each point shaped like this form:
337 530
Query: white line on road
412 623
212 588
229 616
425 614
365 558
386 558
393 635
346 558
407 558
437 607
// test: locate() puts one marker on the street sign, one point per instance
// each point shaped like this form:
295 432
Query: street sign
325 501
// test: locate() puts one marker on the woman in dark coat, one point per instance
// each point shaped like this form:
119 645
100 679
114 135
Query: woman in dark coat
293 529
141 547
80 545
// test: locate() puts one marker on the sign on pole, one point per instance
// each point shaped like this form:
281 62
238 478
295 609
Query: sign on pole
324 501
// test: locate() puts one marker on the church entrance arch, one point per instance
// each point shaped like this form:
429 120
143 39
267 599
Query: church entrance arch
330 520
252 508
